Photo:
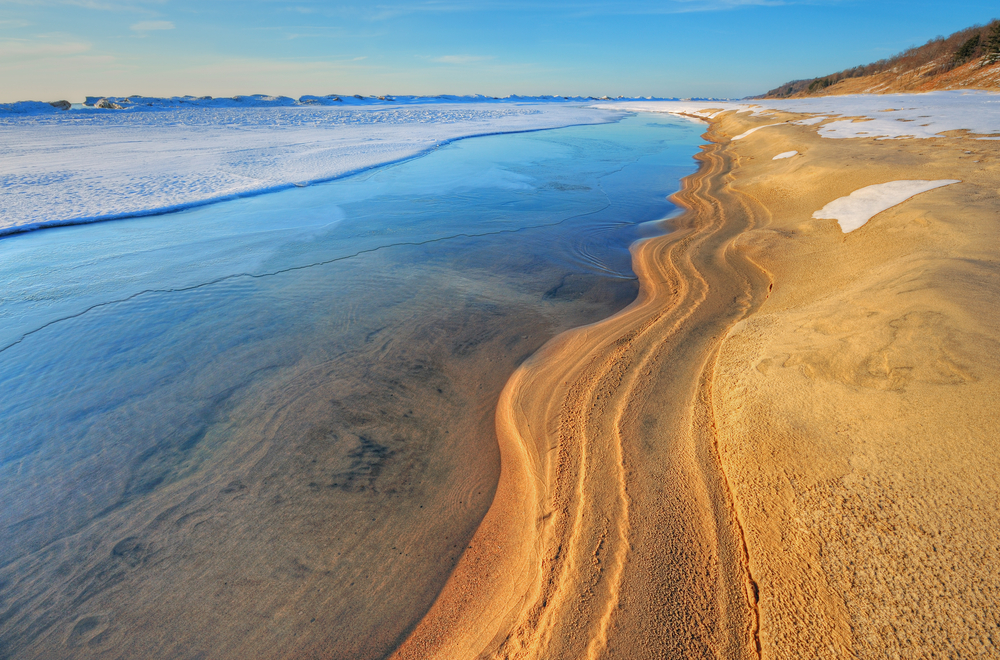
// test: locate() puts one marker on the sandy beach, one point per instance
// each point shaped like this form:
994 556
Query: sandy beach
783 448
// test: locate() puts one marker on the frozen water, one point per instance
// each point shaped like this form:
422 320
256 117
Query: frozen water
59 167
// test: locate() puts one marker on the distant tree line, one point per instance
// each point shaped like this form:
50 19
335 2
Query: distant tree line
936 56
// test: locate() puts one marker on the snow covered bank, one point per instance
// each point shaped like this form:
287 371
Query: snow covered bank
863 204
888 116
69 167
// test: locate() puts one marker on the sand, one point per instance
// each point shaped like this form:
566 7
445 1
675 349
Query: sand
784 448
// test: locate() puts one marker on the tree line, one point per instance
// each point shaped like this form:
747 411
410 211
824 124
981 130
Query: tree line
937 56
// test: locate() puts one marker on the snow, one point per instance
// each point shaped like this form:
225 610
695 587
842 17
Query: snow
69 167
861 205
785 154
753 130
155 155
885 116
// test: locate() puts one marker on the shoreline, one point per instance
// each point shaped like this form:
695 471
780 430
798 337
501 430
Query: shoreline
15 230
229 161
675 478
326 447
582 496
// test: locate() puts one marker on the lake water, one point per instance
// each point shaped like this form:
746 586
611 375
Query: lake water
265 427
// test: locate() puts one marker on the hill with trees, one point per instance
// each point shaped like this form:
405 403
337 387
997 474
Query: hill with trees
968 59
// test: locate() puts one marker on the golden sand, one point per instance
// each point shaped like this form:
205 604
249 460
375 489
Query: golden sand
784 448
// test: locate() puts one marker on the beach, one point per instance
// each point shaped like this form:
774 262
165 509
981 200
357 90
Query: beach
501 400
783 448
265 427
855 408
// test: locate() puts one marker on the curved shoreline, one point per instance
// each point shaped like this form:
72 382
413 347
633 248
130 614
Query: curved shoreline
603 507
781 448
16 230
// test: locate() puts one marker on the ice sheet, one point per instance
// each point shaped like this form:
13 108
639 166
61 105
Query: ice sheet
67 167
861 205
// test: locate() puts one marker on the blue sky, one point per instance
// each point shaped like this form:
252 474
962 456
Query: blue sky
66 49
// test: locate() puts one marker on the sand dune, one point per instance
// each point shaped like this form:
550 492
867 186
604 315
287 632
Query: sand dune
783 448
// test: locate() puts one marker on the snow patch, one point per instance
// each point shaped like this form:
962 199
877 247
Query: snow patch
863 204
753 130
785 154
892 115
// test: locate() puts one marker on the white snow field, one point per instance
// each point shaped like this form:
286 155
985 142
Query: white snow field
155 155
785 154
68 167
863 204
881 116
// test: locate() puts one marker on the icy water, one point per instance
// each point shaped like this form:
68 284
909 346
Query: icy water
265 427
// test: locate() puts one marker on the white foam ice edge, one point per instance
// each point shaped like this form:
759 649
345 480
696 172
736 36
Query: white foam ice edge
882 116
785 154
862 205
59 168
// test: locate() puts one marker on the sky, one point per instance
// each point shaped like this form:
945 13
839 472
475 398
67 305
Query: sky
69 49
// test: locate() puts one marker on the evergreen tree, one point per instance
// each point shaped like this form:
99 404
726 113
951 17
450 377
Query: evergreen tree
966 50
993 43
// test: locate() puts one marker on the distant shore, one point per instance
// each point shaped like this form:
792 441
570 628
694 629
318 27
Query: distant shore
783 448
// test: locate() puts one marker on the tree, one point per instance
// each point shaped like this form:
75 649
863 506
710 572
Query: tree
966 50
993 43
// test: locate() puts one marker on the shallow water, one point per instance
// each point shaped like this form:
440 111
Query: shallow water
266 426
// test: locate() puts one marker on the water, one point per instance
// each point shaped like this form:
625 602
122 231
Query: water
267 424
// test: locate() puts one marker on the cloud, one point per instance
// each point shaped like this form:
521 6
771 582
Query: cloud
459 59
25 49
146 26
722 5
377 11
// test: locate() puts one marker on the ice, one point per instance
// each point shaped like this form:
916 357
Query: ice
886 116
785 154
861 205
69 167
155 155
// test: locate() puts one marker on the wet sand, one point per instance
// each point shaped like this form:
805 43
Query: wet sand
322 510
784 448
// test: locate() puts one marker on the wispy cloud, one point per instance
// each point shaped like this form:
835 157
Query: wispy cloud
147 26
388 11
460 59
680 6
36 49
139 6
